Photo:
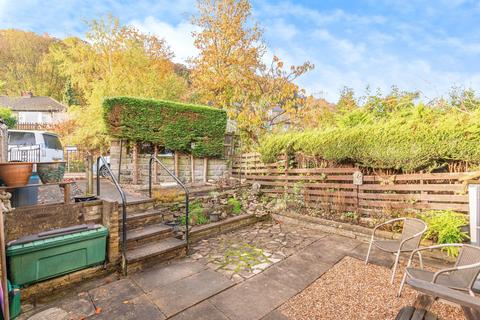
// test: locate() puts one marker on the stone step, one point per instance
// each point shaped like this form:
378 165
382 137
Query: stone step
156 252
140 219
148 234
140 205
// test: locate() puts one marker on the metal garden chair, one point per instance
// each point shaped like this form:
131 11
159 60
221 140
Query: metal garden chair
461 276
412 232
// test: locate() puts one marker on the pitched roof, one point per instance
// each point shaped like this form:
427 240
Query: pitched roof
32 103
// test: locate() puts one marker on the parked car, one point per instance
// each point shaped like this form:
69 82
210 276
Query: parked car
34 146
103 167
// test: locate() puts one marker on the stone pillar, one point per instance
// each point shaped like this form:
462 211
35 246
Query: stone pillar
110 219
115 157
135 164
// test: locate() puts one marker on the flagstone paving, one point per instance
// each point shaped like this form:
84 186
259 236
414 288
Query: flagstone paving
241 254
198 287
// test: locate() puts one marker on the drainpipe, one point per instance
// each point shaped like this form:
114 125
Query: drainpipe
474 212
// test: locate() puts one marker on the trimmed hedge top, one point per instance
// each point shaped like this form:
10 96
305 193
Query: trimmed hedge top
173 125
411 140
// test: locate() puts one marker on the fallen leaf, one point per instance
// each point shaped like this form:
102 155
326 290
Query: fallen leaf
98 310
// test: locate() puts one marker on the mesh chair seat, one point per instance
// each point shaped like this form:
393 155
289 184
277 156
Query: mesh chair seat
451 280
462 276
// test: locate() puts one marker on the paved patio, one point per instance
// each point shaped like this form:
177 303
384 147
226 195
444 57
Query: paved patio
198 289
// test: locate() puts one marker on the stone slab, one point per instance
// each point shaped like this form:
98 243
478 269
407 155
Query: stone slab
113 295
202 311
252 299
332 249
153 278
275 315
297 271
137 308
53 313
377 256
184 293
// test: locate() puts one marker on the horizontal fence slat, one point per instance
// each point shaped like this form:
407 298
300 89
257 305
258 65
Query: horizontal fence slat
330 188
421 197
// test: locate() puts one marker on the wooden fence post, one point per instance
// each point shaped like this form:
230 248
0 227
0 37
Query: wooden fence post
175 163
192 167
205 170
155 165
135 163
6 304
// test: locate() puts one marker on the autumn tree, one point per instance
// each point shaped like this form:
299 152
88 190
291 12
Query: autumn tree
24 64
229 72
113 60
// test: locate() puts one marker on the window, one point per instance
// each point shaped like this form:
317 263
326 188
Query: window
21 138
52 142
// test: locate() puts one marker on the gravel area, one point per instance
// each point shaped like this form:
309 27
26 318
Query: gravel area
359 291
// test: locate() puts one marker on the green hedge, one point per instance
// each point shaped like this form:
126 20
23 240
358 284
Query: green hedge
418 138
170 124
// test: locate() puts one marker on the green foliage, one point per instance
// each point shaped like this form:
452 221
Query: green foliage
7 115
445 227
236 205
196 213
409 139
173 125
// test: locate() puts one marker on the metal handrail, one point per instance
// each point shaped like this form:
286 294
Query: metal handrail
180 183
124 208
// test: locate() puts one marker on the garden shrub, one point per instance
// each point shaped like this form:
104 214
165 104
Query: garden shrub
412 139
168 195
170 124
196 214
444 226
236 206
7 115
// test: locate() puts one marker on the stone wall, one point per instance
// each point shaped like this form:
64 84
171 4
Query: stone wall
34 219
136 171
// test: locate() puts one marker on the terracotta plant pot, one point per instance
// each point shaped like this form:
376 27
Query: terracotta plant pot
51 172
16 173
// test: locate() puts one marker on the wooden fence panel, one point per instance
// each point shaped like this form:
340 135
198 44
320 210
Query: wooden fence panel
333 187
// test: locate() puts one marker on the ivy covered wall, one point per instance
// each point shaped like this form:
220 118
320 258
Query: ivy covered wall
176 126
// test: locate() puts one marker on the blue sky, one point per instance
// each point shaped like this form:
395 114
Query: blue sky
415 44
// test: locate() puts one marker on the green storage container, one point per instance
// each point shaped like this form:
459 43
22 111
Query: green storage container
54 253
14 301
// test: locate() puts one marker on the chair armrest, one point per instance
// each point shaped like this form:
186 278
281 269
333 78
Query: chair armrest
467 266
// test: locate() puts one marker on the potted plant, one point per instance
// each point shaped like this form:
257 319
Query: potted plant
51 172
15 174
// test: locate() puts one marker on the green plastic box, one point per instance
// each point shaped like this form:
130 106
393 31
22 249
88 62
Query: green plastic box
52 254
14 301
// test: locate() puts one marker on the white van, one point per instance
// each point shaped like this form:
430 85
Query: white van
34 146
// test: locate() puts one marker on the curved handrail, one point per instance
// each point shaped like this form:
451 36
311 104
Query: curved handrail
124 208
180 183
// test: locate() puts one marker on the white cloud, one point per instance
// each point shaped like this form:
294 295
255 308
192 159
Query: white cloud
349 51
280 28
178 36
